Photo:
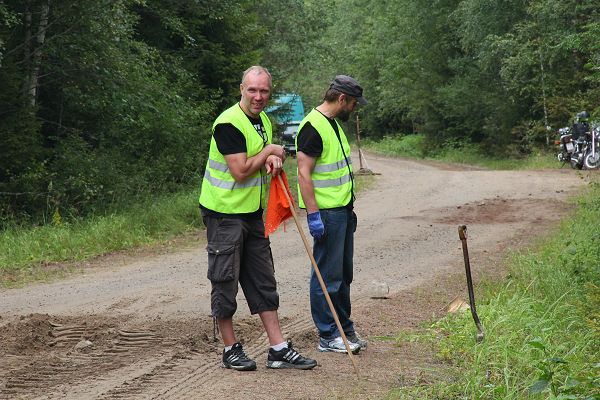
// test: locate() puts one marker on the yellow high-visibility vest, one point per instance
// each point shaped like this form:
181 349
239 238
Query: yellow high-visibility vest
332 178
220 192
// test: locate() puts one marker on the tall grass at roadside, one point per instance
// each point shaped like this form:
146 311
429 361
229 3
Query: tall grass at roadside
461 153
152 221
406 146
472 156
542 325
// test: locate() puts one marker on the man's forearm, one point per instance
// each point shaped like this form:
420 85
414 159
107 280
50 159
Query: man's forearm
256 162
242 167
308 194
306 164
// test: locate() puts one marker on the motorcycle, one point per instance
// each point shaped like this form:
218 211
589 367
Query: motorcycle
580 152
591 158
566 145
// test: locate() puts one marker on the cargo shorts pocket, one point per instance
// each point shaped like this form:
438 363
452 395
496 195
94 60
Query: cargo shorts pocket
221 262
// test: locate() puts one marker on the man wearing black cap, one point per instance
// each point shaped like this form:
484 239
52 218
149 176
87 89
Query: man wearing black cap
326 190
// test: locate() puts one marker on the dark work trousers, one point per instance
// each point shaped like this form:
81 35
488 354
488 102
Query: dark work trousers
238 252
333 254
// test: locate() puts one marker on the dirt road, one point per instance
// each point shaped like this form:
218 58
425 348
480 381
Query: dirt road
147 317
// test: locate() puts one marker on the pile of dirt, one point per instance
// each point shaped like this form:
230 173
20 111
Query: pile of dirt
29 335
497 210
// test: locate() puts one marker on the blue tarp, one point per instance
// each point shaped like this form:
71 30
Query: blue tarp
288 108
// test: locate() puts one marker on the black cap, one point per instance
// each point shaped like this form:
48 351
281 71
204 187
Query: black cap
348 85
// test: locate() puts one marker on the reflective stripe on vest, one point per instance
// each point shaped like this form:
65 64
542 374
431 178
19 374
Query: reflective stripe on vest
332 167
232 185
331 176
218 166
220 192
324 183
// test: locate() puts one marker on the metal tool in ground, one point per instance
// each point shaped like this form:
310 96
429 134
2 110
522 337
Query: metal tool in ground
462 234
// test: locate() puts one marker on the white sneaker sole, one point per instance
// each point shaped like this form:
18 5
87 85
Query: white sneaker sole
323 349
286 365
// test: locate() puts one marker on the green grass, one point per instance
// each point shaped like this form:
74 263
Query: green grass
542 325
412 146
25 251
406 146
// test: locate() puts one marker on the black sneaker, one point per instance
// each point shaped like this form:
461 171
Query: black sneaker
237 359
289 358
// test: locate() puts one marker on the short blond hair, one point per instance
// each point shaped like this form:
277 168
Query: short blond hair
257 69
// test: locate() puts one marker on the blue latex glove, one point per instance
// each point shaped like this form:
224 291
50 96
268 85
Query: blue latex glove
315 225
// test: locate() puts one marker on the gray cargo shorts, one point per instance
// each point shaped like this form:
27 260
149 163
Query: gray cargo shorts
239 252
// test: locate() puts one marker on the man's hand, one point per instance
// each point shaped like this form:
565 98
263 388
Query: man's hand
315 225
274 165
241 166
276 150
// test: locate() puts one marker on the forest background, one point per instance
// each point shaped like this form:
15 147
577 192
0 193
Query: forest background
107 103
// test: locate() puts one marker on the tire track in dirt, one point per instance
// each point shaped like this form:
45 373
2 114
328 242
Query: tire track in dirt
184 378
27 376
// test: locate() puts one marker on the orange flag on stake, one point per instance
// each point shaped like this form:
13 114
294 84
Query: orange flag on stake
278 208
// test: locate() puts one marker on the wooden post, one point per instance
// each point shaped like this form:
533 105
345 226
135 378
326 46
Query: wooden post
360 157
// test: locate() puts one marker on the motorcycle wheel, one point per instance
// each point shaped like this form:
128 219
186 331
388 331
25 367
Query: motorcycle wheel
591 161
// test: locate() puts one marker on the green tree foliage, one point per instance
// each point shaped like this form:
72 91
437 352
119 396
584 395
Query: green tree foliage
296 50
215 41
481 71
115 102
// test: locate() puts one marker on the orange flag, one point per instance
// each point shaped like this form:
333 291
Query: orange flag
278 208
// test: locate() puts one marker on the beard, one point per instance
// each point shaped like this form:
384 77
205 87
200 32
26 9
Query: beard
344 116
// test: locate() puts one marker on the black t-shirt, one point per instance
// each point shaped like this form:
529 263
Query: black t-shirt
309 140
230 140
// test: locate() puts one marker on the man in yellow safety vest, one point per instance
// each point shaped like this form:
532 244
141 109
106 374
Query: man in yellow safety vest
326 190
232 201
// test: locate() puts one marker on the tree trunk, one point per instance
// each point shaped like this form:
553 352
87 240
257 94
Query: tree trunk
27 47
37 52
546 126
